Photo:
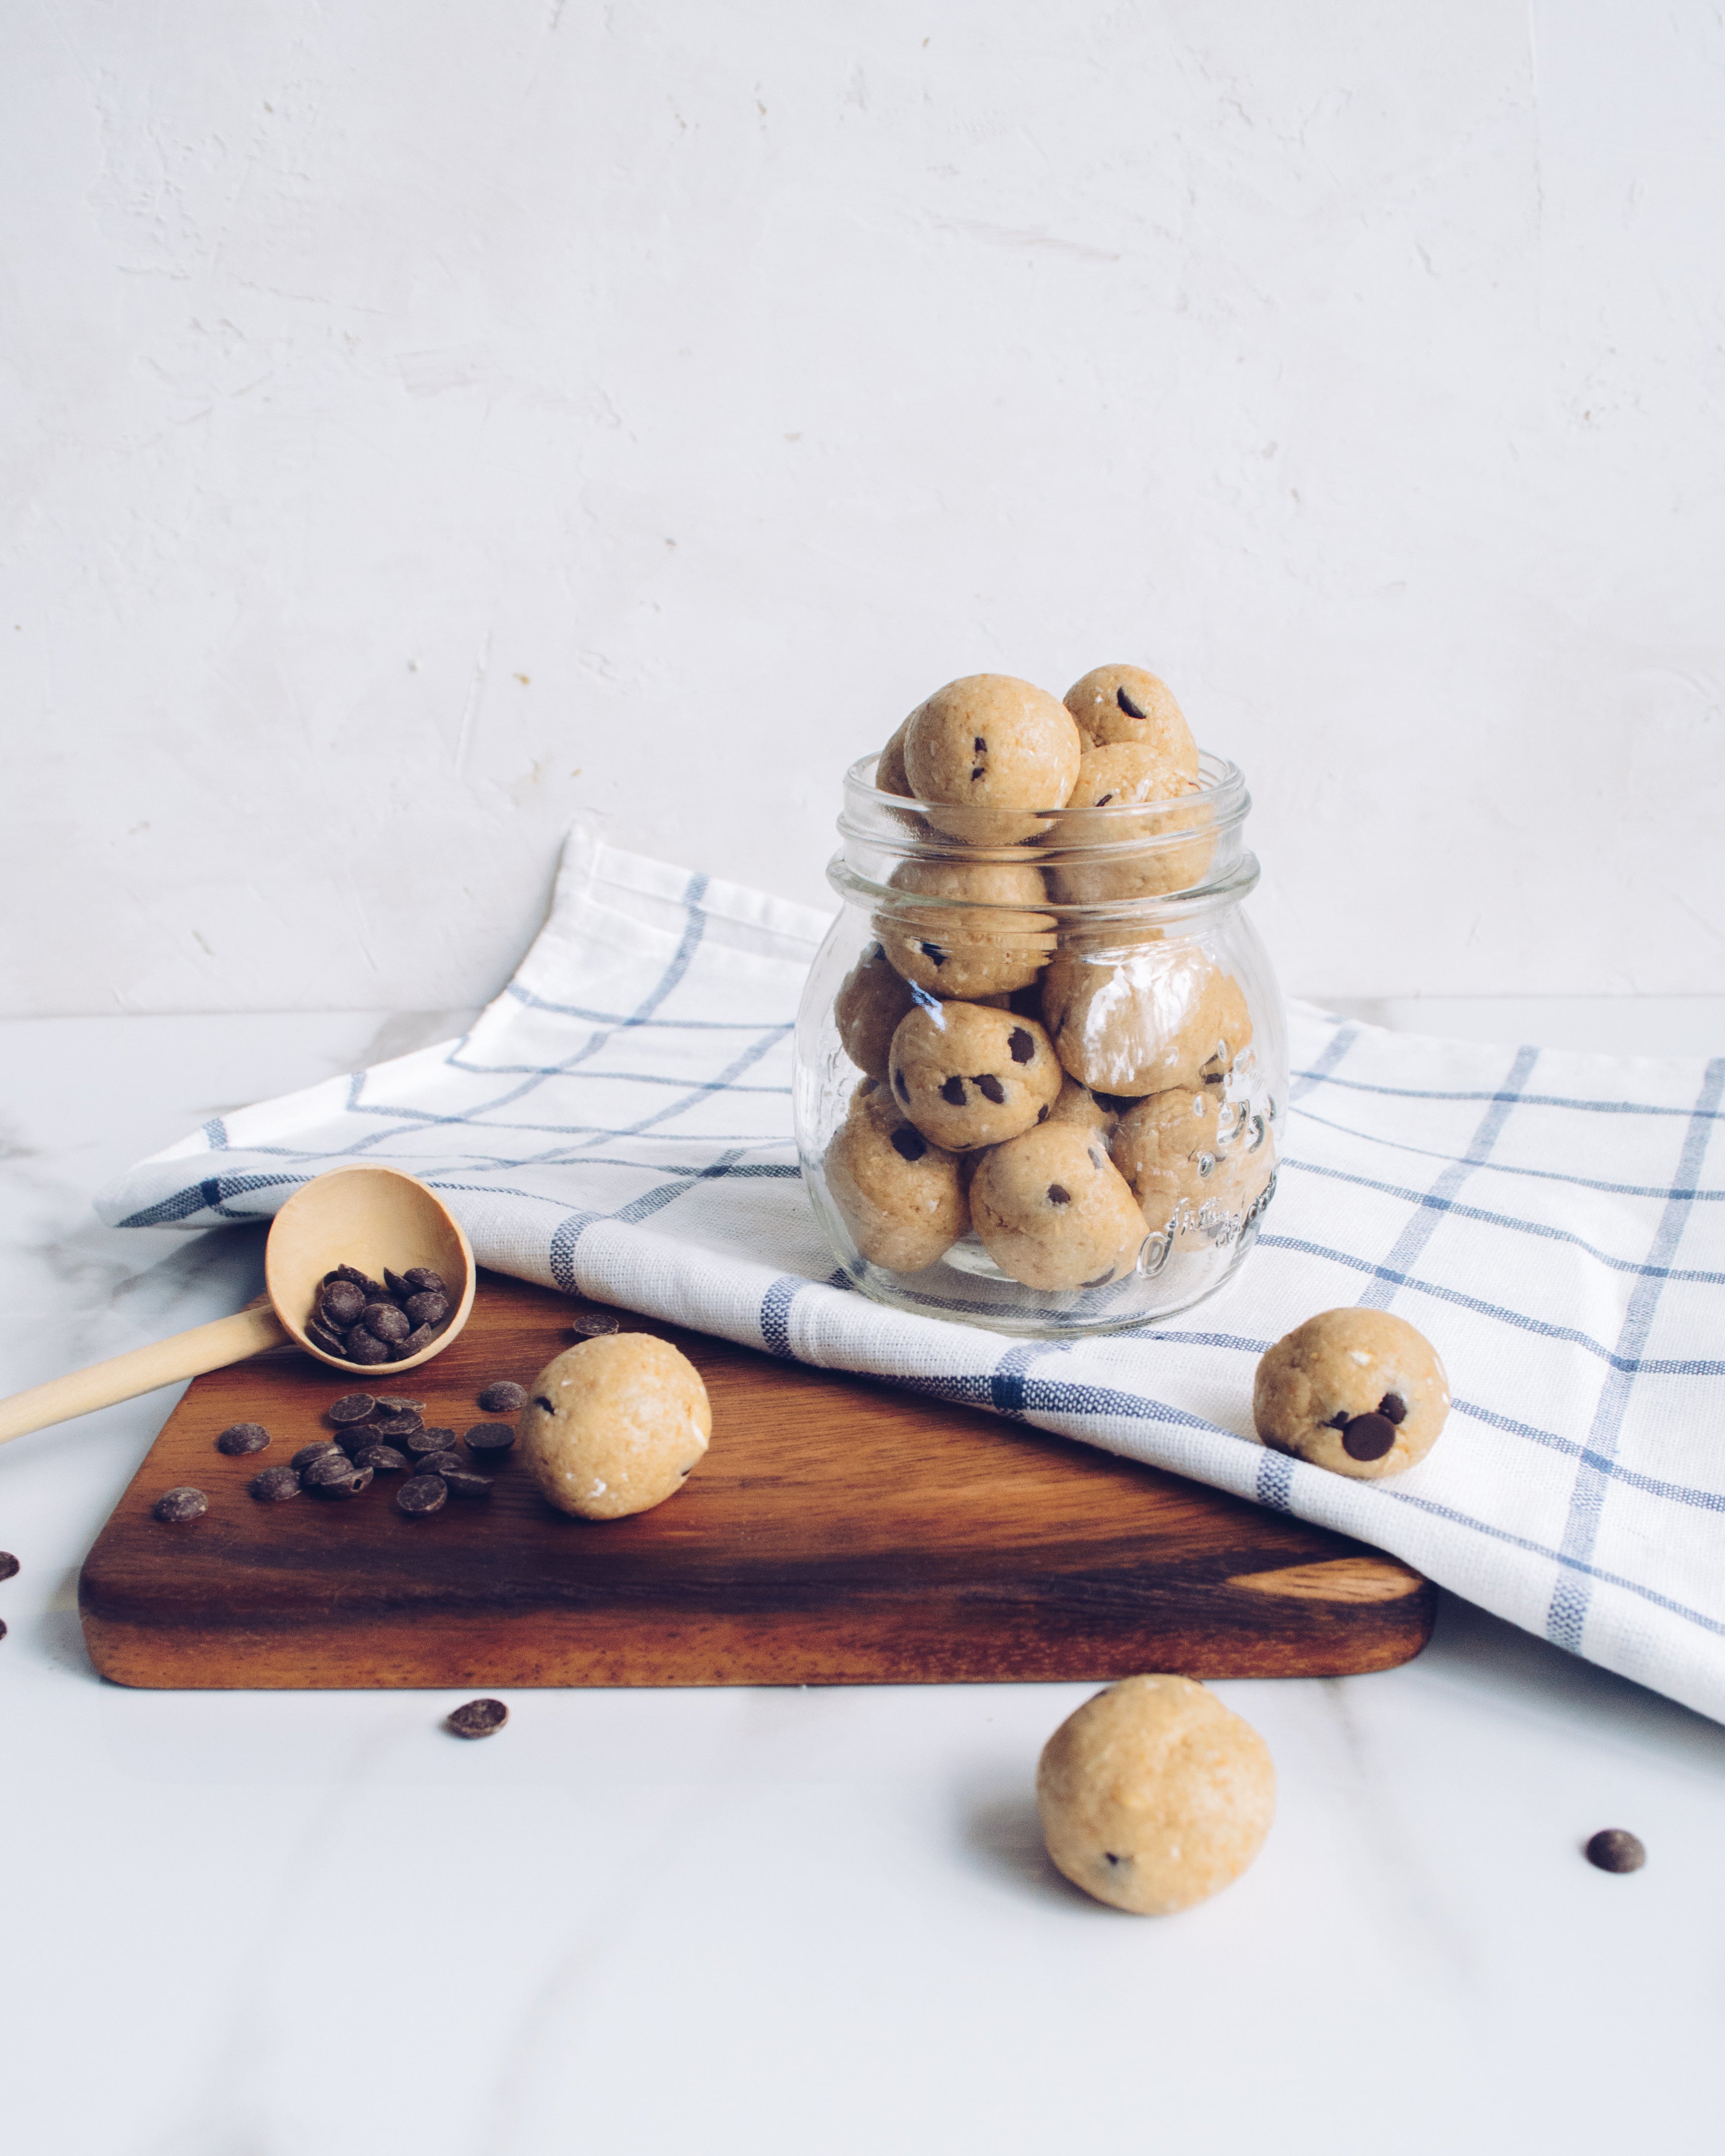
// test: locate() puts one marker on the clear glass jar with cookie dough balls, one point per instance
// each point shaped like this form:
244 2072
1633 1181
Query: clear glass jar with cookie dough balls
1041 1057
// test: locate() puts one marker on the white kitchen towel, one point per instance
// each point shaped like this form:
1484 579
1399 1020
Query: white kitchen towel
618 1123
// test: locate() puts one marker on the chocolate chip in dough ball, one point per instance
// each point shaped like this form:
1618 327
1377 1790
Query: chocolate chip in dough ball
615 1426
1183 1152
982 936
1144 1018
1051 1209
1125 703
903 1198
1115 854
890 776
989 743
1154 1796
867 1008
1358 1391
967 1074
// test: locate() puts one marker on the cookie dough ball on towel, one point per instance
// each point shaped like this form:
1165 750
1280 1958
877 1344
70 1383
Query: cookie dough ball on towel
1186 1150
1154 1796
1358 1391
902 1199
990 743
1145 1018
982 937
967 1074
1053 1211
1126 704
615 1426
867 1008
1142 856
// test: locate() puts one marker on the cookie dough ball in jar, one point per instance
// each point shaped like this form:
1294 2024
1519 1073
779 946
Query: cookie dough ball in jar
1183 1150
987 744
1143 856
872 999
1052 1210
890 776
615 1426
1358 1391
986 938
1145 1018
1126 704
1154 1796
969 1076
901 1197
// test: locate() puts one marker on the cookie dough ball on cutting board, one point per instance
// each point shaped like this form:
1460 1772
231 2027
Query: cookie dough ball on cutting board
615 1426
1126 704
1145 1018
1185 1149
967 1074
872 999
1154 1796
902 1199
1052 1210
1358 1391
986 938
989 742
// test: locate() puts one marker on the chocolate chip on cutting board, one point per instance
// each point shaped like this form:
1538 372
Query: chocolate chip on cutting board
240 1438
428 1440
275 1484
437 1463
352 1407
382 1459
326 1448
491 1438
465 1482
479 1718
327 1467
392 1426
503 1396
422 1494
588 1326
9 1565
1614 1849
355 1480
181 1503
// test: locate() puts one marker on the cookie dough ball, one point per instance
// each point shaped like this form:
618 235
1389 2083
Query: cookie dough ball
1125 703
1142 857
984 938
1183 1150
1144 1018
1154 1796
902 1199
614 1426
890 776
967 1074
990 743
867 1010
1052 1209
1356 1391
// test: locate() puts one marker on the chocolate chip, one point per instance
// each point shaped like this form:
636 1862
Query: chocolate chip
1105 800
346 1273
9 1565
1368 1437
331 1466
324 1448
323 1336
1021 1045
909 1144
340 1304
1614 1849
990 1087
465 1483
978 771
385 1321
503 1396
241 1437
401 1424
422 1278
363 1348
980 747
589 1324
427 1440
899 1085
397 1407
1101 1279
275 1484
541 1401
1213 1077
355 1481
933 952
352 1407
399 1287
1393 1406
415 1341
1337 1421
421 1495
183 1502
2 1628
953 1092
490 1437
479 1717
1129 706
382 1459
1042 1113
427 1307
437 1463
1058 1194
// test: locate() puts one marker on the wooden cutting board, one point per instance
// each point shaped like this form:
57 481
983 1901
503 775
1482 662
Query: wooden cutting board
838 1532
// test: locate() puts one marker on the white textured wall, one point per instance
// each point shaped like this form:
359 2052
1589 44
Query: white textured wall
426 420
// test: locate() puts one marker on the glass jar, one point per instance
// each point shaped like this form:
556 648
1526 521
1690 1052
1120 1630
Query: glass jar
1041 1060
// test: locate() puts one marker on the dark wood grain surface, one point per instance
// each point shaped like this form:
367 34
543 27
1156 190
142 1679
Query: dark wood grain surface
838 1532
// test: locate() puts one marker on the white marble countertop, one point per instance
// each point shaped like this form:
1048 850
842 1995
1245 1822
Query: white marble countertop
819 1922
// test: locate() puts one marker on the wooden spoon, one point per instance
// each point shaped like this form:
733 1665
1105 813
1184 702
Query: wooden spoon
367 1217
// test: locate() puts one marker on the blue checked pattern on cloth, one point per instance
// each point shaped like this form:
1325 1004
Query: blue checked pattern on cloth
618 1123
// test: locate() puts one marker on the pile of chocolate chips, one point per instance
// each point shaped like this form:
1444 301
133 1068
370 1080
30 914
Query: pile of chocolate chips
366 1321
378 1437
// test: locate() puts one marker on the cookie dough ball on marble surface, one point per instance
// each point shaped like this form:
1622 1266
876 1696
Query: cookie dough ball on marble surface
1126 704
1358 1391
889 775
987 939
615 1426
1154 1796
967 1074
1162 853
1144 1018
872 999
1181 1151
1052 1209
902 1199
989 742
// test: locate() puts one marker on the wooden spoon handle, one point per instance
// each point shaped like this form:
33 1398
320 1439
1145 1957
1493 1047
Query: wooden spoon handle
164 1362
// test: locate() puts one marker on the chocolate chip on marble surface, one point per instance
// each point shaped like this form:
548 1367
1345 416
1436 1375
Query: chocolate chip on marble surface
240 1438
589 1324
275 1484
479 1718
1367 1437
422 1494
491 1437
323 1448
1615 1849
380 1459
1394 1408
183 1502
9 1565
428 1440
427 1307
352 1407
465 1482
503 1396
